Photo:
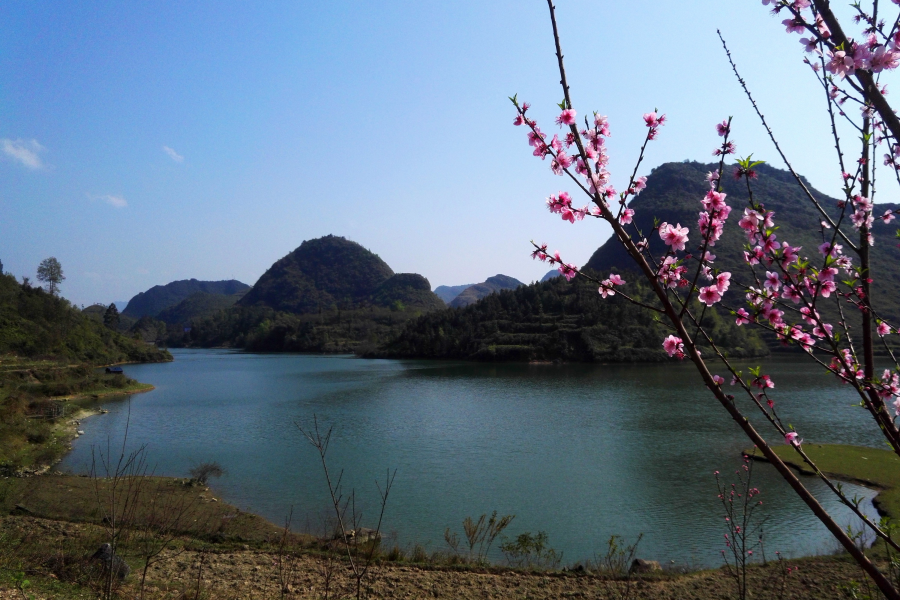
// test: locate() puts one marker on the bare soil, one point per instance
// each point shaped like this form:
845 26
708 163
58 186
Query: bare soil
217 572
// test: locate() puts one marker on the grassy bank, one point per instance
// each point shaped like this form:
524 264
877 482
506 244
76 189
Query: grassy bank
871 467
189 544
40 404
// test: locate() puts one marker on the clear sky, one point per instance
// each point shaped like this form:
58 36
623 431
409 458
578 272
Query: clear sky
144 142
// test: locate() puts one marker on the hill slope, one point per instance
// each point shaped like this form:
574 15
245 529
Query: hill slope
34 323
160 297
407 290
199 304
673 194
328 295
476 292
322 273
553 320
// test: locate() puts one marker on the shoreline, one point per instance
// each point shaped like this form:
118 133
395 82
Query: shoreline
880 472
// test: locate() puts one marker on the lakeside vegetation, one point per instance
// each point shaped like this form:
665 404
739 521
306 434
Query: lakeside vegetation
872 467
555 320
49 351
208 548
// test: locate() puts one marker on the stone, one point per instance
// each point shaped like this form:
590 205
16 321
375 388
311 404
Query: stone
645 566
20 509
111 561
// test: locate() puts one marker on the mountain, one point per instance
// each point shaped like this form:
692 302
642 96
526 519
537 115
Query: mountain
673 194
448 292
328 295
198 304
556 319
160 297
34 323
474 293
407 290
550 275
323 273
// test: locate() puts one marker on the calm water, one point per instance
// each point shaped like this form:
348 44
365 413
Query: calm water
579 451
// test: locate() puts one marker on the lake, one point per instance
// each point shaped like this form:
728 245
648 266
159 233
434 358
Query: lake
581 452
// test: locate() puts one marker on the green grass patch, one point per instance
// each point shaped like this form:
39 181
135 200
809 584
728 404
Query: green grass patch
38 399
871 467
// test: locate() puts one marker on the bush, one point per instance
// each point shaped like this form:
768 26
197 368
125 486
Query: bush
531 551
202 472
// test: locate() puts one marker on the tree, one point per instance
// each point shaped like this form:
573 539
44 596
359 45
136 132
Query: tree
816 299
111 317
51 272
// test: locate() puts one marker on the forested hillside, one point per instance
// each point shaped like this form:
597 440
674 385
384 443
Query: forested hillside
673 194
553 320
161 297
34 323
328 295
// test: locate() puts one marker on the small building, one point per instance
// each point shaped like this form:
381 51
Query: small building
114 371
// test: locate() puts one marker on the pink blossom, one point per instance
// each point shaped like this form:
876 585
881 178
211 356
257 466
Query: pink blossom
722 128
888 216
673 346
718 379
674 236
566 117
640 183
606 289
827 249
772 281
822 27
709 295
791 293
884 59
616 279
794 25
763 382
652 120
569 271
743 317
627 216
540 252
809 44
723 280
841 64
883 329
790 438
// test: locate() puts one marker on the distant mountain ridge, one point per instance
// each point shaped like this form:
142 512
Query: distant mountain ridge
161 297
550 275
474 293
448 292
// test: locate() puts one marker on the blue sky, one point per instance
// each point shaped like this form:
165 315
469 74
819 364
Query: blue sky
143 142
